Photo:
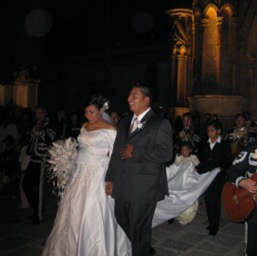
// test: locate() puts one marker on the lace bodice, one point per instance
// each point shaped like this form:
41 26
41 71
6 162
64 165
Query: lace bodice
95 144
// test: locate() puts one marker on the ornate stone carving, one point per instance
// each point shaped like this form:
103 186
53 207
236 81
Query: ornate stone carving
219 3
202 3
181 30
206 2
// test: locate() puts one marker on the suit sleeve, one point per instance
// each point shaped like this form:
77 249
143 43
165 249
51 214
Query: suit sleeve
160 150
238 167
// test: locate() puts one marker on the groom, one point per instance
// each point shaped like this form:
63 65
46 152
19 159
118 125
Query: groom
136 177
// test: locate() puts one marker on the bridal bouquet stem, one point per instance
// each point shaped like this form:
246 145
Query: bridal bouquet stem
63 155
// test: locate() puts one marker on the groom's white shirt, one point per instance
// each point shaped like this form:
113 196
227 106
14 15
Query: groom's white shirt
141 116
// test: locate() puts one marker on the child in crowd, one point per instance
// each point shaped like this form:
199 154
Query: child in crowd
215 153
186 154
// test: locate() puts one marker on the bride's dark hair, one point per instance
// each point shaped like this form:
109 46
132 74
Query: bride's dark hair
97 100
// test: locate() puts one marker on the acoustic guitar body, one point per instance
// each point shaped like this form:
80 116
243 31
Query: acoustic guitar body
238 203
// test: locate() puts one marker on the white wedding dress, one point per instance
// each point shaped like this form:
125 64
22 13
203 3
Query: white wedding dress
85 224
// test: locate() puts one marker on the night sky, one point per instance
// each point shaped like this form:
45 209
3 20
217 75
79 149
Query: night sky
34 31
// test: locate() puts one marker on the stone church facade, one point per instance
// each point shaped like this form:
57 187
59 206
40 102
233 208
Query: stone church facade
209 64
213 57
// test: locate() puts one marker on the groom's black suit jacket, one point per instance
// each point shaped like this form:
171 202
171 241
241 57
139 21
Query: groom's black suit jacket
141 178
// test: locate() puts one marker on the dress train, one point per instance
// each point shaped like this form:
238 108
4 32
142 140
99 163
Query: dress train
185 187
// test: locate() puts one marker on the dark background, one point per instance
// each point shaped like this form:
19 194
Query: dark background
61 29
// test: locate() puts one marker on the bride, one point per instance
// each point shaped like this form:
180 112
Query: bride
85 222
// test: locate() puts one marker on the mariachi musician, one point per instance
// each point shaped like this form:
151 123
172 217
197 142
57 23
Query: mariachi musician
41 137
240 135
243 167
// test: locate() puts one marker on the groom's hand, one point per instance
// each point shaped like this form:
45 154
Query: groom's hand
126 152
108 188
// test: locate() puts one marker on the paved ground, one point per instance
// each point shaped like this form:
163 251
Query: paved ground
18 237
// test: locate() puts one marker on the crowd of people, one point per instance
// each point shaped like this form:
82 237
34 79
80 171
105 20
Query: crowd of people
24 141
112 144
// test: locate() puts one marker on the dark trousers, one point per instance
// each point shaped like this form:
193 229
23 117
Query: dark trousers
33 186
251 248
212 198
136 220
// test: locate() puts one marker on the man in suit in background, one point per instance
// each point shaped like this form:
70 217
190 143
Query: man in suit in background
136 177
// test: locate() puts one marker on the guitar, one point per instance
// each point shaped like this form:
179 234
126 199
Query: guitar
239 203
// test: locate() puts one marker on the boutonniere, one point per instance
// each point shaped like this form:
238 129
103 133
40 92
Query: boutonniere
141 126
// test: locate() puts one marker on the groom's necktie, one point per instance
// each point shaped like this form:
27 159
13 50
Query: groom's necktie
134 125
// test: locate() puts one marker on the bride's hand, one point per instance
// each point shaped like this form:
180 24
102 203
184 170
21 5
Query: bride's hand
108 188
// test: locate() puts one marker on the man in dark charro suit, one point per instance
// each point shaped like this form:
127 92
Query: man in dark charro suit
243 167
40 138
136 177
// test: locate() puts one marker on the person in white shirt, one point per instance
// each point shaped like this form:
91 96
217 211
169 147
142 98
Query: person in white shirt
215 153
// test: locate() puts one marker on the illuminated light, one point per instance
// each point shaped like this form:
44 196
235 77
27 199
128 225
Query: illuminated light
180 12
183 50
6 94
25 91
21 93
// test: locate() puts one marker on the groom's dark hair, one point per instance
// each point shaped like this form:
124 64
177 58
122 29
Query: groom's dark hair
145 90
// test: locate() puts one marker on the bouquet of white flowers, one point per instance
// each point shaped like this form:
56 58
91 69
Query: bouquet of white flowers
63 155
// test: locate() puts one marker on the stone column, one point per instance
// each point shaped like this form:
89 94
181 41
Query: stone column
173 90
194 41
218 60
182 90
253 90
204 47
180 81
186 81
180 67
197 45
234 53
